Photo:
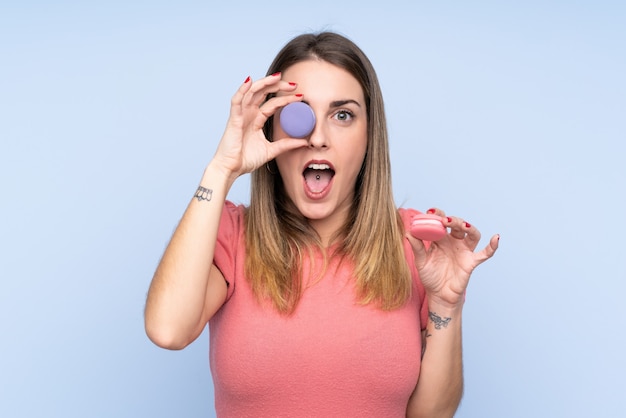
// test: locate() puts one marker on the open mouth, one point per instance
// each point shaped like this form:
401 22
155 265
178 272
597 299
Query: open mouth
318 176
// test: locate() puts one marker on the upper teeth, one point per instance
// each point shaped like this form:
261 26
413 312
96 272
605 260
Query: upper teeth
319 166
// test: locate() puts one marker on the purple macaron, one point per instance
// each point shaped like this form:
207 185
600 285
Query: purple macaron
297 119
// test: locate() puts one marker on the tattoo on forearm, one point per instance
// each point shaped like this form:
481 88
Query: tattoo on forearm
438 321
203 194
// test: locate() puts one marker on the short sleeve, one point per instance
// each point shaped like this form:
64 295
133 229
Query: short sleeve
407 215
229 248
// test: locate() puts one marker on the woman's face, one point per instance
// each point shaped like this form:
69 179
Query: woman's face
320 179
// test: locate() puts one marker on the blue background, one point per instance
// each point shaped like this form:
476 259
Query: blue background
509 114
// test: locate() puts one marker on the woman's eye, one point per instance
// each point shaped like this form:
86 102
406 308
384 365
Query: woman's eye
343 115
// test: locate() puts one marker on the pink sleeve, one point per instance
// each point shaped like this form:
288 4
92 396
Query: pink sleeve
230 245
407 215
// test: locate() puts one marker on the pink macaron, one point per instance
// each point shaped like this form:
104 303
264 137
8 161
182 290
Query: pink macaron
427 227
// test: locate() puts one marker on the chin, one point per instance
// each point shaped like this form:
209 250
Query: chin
315 211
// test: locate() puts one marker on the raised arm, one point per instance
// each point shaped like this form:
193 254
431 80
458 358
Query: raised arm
445 268
187 289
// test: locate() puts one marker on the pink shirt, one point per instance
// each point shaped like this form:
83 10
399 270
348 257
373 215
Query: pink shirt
332 358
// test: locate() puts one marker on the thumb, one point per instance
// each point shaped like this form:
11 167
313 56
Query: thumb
286 144
419 249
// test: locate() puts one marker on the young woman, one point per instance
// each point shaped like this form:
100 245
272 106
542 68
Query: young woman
319 301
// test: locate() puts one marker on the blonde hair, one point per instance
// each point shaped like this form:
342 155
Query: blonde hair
278 237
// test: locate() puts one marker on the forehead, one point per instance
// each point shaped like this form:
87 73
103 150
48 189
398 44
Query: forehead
321 80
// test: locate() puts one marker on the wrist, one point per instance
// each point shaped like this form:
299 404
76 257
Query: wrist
445 306
216 174
443 316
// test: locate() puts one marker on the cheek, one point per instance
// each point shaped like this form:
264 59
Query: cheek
286 168
358 149
360 161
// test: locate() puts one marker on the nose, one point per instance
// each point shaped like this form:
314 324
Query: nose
318 138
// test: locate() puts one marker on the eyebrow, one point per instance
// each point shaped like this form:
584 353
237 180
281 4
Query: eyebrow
338 103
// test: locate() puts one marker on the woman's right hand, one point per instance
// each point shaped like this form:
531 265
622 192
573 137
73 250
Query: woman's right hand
244 147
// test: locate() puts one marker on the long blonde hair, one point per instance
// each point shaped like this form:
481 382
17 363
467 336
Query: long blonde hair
278 237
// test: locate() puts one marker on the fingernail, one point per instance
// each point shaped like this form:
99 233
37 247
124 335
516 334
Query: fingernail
430 211
291 83
276 74
299 95
449 219
498 237
467 225
247 80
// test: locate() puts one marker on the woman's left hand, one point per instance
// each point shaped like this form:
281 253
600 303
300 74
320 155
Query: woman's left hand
446 265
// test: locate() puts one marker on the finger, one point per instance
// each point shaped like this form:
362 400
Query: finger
237 99
286 144
259 86
489 250
436 211
270 107
456 226
267 85
419 249
473 235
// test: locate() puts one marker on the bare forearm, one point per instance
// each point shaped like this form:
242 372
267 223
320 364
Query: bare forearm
440 386
177 295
